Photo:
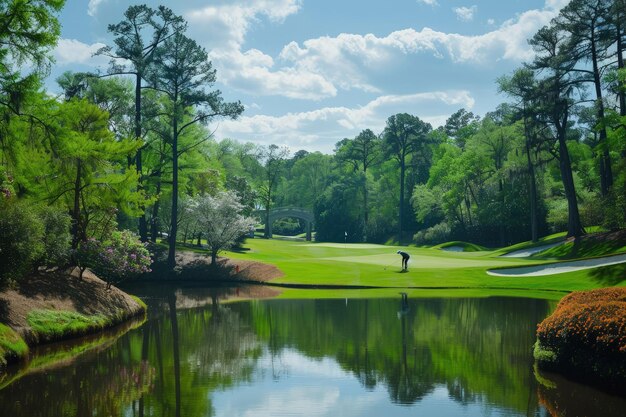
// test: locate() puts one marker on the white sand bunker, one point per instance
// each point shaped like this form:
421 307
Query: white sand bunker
558 268
523 253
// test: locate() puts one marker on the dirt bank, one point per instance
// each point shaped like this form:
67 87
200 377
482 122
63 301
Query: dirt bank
61 291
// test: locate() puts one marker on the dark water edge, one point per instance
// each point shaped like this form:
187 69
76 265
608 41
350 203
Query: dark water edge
198 354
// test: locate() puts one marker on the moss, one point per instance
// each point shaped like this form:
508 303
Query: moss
12 346
53 325
139 301
543 354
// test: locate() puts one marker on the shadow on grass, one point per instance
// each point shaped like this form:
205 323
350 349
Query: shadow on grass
592 245
609 275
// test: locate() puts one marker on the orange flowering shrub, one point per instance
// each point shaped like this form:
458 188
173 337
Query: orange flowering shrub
586 333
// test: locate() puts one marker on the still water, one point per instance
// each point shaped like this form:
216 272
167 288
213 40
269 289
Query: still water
198 354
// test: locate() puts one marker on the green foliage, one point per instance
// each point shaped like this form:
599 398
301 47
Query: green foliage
22 234
336 218
56 238
436 234
288 227
28 32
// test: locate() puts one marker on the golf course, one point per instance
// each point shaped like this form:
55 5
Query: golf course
339 267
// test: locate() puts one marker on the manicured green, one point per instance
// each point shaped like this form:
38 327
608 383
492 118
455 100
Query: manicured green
11 345
52 324
379 266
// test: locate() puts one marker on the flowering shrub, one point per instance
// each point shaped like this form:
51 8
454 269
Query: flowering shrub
6 184
586 333
120 256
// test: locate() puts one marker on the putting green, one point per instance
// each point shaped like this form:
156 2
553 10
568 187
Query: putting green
347 245
419 261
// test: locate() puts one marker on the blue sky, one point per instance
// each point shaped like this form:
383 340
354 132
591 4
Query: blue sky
312 72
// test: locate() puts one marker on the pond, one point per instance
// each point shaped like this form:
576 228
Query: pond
199 355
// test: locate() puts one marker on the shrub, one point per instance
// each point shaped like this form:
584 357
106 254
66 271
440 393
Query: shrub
586 335
21 244
121 256
439 233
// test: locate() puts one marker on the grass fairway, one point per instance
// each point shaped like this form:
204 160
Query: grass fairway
368 265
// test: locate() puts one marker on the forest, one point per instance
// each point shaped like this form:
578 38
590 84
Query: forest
132 148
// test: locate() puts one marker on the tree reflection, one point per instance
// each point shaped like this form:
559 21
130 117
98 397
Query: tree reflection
562 397
477 349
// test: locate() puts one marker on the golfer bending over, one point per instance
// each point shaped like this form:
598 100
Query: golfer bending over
405 260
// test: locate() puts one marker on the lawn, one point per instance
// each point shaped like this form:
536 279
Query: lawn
370 265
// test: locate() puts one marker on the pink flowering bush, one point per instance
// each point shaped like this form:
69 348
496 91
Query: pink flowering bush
120 256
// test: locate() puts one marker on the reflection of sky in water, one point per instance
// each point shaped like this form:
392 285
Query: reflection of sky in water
292 384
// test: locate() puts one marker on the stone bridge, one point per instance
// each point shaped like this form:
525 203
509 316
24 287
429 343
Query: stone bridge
282 212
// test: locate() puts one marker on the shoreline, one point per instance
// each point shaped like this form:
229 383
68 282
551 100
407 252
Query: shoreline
57 306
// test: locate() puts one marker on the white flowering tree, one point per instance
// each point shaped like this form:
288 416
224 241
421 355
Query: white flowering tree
221 219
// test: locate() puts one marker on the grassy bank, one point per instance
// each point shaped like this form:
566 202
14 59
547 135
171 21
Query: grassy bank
47 307
367 265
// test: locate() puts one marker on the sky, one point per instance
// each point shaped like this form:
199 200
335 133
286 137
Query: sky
312 72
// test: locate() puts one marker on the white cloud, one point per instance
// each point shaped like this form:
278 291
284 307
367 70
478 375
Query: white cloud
253 71
491 22
225 26
557 4
72 51
465 14
320 129
92 7
429 2
318 68
346 59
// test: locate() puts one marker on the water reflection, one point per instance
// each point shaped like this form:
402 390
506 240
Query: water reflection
307 357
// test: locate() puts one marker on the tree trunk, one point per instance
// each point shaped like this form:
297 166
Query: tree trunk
214 257
532 187
502 214
176 345
154 225
76 209
143 225
365 211
171 255
620 62
606 173
401 219
267 221
574 226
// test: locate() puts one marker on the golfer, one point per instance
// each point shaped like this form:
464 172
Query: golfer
405 260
